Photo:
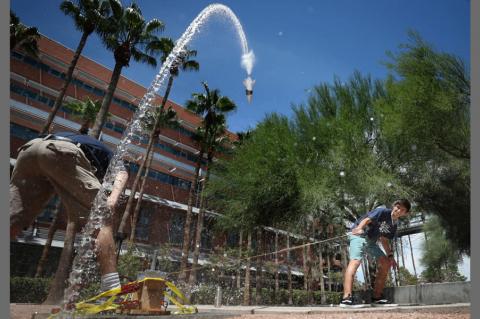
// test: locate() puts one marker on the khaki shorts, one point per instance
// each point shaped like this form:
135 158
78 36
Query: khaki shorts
46 167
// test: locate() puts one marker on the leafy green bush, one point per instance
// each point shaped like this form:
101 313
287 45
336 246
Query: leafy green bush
129 265
29 290
205 294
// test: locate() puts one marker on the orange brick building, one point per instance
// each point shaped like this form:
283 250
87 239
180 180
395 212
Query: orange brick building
34 85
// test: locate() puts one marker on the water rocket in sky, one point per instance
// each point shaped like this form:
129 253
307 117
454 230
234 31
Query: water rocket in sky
247 63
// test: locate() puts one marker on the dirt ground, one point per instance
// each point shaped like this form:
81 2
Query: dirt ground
25 311
362 315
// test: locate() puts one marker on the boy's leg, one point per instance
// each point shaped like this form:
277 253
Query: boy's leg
349 275
30 190
356 252
381 277
383 266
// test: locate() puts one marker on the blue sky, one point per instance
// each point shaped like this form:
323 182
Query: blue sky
297 44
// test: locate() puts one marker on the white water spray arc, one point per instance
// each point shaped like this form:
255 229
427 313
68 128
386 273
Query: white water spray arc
84 265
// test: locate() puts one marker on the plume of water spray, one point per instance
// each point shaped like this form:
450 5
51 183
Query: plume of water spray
248 59
84 264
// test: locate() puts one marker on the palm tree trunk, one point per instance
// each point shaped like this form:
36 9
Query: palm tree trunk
102 113
310 275
277 271
246 289
140 195
48 244
68 79
344 254
239 270
289 275
329 265
151 139
305 267
258 273
188 221
198 233
55 295
322 280
133 190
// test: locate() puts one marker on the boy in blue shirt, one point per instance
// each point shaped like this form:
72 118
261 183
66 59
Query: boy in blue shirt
378 225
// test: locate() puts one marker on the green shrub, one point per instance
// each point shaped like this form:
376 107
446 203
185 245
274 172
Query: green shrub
29 290
203 294
300 297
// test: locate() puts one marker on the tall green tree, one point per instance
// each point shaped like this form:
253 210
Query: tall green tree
440 256
209 106
424 132
88 16
214 143
182 62
128 35
341 169
258 184
23 37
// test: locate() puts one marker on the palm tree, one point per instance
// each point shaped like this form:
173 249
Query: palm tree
213 143
246 289
23 37
85 111
128 35
88 16
184 63
163 119
210 106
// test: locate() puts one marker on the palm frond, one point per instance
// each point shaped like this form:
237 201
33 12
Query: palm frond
143 57
117 9
154 25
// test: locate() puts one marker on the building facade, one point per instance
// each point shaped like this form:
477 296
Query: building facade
34 86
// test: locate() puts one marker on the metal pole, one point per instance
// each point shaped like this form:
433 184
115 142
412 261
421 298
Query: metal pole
413 259
401 250
397 273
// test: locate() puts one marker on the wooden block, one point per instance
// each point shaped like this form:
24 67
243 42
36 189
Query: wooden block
151 295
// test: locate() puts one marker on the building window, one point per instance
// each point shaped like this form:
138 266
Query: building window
22 132
176 228
142 229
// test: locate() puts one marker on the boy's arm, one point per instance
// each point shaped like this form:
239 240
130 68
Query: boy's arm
388 250
386 245
359 229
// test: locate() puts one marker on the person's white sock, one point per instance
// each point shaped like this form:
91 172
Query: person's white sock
110 281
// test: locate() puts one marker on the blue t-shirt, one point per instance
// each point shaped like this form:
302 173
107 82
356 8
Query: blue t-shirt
381 224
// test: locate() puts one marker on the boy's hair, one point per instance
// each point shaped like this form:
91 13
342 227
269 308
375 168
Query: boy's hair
404 202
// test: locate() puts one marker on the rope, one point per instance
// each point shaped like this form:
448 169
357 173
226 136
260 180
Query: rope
264 254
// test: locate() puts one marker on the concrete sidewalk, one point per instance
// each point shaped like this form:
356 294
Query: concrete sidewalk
328 309
31 311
